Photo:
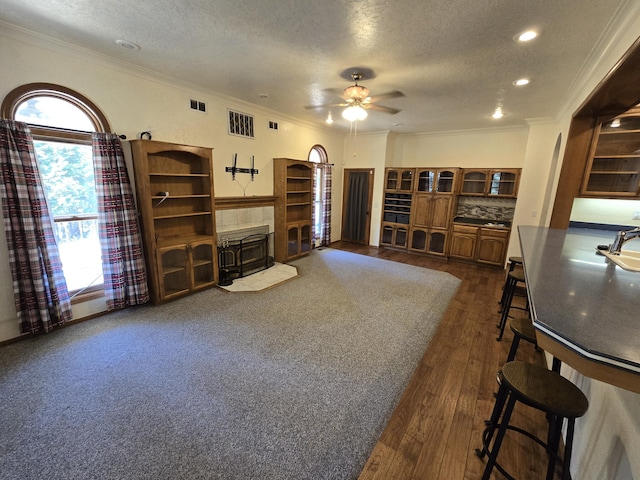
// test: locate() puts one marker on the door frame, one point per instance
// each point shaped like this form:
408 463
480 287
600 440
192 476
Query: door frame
345 196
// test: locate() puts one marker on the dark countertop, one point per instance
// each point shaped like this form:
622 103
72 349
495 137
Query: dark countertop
582 300
482 222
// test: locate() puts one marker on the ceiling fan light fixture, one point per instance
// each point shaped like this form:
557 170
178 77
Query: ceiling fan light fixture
354 112
356 92
526 36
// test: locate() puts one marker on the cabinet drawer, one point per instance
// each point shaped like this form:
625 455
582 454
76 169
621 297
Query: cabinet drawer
465 229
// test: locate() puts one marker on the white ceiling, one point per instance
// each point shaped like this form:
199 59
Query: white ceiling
454 60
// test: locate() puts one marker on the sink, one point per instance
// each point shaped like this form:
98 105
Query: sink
628 259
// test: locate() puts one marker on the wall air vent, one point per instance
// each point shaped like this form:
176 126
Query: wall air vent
240 124
197 105
273 125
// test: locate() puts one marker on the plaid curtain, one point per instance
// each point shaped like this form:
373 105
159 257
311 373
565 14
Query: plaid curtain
40 290
325 237
326 202
125 278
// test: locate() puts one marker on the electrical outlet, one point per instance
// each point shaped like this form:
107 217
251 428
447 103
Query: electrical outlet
534 213
636 215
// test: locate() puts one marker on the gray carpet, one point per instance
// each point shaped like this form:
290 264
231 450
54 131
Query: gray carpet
296 382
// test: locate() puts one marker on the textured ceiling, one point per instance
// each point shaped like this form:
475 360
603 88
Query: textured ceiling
453 60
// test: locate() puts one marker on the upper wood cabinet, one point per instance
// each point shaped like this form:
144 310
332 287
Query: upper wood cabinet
174 186
613 168
490 182
399 179
436 180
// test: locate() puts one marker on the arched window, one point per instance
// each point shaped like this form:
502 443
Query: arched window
322 196
61 123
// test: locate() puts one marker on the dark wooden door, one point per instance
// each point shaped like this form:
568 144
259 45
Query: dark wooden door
356 205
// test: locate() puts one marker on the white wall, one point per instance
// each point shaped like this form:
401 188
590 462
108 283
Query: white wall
370 151
606 211
500 148
135 101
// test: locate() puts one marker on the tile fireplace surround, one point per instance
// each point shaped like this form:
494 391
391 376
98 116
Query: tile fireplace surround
237 213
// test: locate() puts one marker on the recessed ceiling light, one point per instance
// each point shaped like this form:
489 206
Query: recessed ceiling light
128 45
526 36
398 124
521 82
498 114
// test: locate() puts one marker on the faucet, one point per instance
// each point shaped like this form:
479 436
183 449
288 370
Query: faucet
623 237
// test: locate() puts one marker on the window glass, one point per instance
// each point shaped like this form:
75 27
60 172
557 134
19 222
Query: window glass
53 112
68 181
61 122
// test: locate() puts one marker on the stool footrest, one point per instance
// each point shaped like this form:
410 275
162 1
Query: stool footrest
486 439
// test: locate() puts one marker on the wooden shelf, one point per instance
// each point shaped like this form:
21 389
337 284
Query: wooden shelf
179 175
179 228
181 215
292 187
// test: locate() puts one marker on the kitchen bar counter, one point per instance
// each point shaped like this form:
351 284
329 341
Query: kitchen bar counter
585 309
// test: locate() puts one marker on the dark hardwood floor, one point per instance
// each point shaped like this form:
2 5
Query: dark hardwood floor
438 422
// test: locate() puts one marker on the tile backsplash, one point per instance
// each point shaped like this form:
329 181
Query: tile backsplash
500 209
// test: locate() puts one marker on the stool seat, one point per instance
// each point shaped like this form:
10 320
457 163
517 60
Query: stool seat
517 275
524 328
515 260
545 390
514 278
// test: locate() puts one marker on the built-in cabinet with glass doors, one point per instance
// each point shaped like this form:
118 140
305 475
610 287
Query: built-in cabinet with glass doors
293 189
417 208
174 185
420 204
490 182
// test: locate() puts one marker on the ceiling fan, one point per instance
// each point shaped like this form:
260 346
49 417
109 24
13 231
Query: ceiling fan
357 101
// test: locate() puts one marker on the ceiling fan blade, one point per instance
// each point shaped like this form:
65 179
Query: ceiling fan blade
386 96
326 105
380 108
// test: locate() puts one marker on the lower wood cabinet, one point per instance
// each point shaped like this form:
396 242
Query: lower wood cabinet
185 268
486 245
463 242
492 246
298 240
394 235
428 240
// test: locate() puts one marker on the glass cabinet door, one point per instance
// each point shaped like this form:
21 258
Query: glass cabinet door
392 180
419 240
425 181
502 183
446 181
305 238
174 270
437 242
473 182
293 234
406 180
202 263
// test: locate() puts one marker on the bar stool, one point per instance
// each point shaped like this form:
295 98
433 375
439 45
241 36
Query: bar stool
513 262
541 389
522 329
513 278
